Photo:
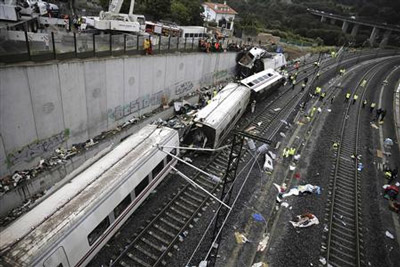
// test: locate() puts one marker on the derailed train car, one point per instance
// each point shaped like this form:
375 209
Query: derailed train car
215 121
264 83
75 222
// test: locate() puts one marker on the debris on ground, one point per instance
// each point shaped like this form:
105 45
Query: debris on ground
187 159
258 217
373 125
241 238
60 156
304 220
292 167
391 191
388 142
389 234
302 189
268 164
285 204
360 166
260 264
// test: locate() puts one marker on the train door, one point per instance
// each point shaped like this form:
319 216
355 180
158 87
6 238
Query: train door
57 259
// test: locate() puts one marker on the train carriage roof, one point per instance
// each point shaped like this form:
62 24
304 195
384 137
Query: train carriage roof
40 227
221 105
261 80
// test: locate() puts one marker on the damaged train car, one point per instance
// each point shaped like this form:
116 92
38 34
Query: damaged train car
213 122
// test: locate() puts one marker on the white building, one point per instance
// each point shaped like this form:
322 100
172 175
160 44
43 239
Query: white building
222 14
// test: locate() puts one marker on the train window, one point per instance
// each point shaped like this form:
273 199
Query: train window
122 206
158 169
98 231
141 186
191 35
186 35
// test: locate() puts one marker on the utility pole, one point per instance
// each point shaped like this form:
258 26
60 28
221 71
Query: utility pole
229 178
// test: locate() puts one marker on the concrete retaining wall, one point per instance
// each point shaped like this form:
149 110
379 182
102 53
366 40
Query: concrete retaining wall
50 180
58 104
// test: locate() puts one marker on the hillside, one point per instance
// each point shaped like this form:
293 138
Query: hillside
291 16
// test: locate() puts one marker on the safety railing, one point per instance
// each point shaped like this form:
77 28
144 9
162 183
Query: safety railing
20 46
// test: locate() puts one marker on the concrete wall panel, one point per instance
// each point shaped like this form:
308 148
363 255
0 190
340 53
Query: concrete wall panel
114 87
47 105
147 75
78 100
3 160
170 79
73 95
130 107
17 123
96 96
198 73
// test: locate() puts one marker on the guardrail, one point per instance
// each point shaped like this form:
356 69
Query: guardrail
20 46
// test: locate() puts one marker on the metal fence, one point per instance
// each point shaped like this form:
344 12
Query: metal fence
19 46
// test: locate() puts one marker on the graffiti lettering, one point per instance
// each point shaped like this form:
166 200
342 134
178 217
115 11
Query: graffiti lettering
36 149
183 88
135 106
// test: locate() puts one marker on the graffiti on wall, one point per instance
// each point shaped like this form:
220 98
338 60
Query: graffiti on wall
148 100
183 88
136 105
179 89
37 148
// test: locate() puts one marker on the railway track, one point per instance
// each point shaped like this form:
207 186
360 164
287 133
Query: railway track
158 239
344 241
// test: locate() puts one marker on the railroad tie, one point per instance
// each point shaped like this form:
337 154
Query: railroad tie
163 230
180 212
145 252
170 224
184 207
170 215
135 259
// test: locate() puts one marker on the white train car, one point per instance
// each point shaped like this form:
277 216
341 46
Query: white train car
214 121
70 226
264 83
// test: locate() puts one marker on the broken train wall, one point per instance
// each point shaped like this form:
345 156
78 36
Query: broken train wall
49 105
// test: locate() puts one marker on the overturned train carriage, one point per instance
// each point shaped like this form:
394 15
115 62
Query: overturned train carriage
264 83
74 223
213 122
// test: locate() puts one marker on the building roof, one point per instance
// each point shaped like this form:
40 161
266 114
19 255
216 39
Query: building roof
220 8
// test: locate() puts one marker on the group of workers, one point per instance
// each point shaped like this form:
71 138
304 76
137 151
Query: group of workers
289 152
210 46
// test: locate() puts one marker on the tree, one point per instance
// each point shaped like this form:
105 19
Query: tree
179 12
158 9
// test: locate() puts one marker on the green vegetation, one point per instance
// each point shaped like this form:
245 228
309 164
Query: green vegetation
183 12
288 19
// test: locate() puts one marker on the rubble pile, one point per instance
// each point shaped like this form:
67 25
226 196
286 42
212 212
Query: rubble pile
15 213
59 157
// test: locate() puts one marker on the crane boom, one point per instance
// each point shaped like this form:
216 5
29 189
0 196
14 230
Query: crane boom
115 6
